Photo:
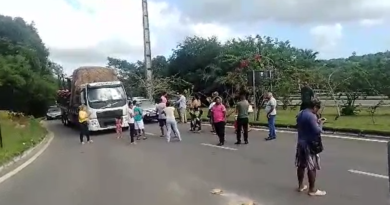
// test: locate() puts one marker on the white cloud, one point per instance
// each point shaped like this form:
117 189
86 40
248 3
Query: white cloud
287 11
326 37
100 28
371 22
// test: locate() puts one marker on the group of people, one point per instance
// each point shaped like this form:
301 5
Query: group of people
309 126
166 120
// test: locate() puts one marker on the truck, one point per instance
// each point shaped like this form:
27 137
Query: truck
99 89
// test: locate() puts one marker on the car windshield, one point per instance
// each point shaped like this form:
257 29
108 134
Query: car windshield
106 97
54 109
106 94
146 104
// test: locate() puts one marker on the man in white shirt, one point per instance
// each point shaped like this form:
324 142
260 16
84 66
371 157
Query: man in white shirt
182 104
131 122
270 110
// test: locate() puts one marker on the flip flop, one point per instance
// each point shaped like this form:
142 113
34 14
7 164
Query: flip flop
302 189
317 193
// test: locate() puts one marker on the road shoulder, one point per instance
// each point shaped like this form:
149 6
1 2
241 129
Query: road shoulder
19 162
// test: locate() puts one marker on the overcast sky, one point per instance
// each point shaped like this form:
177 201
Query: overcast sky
85 32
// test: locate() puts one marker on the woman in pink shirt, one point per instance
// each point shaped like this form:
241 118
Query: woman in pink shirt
218 112
164 98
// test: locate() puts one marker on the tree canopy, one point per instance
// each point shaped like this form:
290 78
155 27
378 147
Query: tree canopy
27 81
204 65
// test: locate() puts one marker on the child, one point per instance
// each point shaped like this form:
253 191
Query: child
118 123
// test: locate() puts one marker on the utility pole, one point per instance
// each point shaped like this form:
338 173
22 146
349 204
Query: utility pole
147 50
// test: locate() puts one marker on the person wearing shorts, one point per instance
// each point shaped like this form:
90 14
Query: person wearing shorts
139 123
162 120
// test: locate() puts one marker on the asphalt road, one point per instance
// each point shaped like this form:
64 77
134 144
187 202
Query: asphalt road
110 171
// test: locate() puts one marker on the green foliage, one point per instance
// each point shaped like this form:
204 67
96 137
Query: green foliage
19 133
207 65
26 75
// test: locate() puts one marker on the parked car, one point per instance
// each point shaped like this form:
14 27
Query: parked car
138 99
53 113
148 110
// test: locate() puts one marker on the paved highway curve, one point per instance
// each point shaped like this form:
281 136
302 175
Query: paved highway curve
111 171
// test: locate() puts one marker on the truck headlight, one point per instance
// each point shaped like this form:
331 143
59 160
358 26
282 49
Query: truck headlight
94 123
125 119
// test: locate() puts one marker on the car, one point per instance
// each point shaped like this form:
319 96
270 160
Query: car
138 99
148 110
53 113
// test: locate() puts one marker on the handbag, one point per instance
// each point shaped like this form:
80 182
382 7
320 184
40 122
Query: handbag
315 146
250 109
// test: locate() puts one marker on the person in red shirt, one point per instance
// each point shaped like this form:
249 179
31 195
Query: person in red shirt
218 112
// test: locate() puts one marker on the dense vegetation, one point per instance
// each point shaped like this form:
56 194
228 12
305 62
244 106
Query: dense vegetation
27 82
203 65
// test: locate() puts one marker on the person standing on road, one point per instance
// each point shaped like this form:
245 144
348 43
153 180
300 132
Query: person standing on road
307 95
162 120
182 104
169 112
242 109
309 146
139 122
164 97
83 121
219 119
214 95
194 110
270 110
131 123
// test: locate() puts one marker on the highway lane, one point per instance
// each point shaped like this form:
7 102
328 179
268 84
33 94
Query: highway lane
111 171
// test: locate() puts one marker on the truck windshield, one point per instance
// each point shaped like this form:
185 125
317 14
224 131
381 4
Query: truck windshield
106 97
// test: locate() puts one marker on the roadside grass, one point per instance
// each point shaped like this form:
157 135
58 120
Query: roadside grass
19 133
362 121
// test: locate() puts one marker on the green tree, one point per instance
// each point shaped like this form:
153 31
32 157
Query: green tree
26 78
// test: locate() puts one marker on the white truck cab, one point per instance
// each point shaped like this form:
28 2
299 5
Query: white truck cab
105 102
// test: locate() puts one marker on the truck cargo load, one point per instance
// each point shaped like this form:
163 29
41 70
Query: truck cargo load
90 74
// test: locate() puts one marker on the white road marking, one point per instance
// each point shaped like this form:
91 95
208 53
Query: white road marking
220 147
149 133
323 135
368 174
26 163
